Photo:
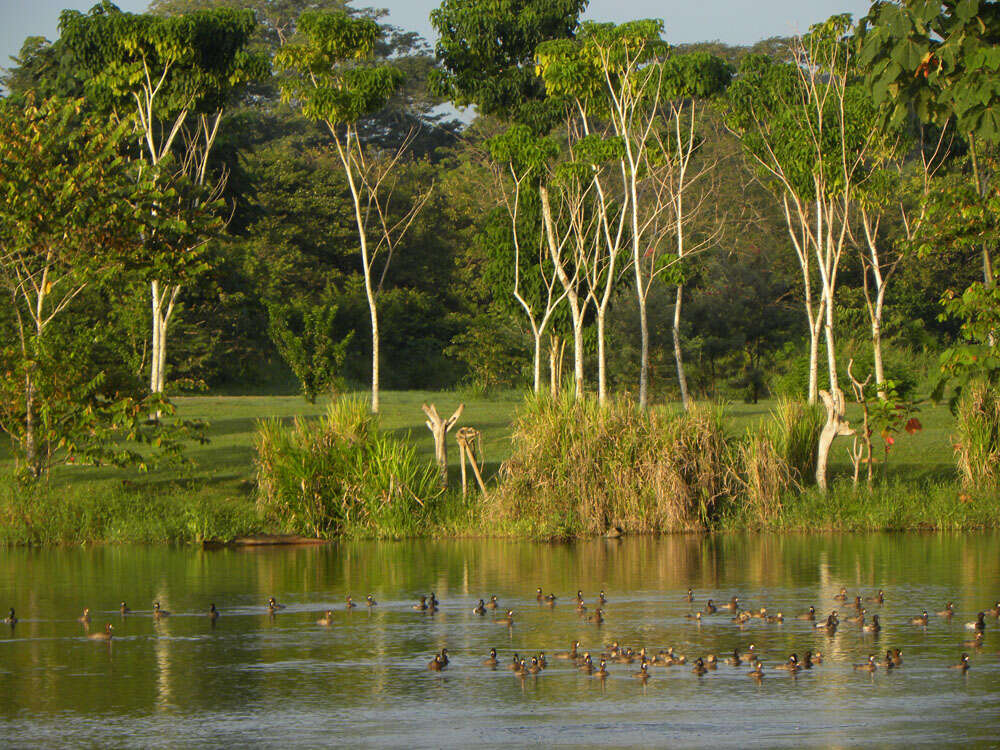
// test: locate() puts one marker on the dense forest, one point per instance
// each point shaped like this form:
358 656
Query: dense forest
233 195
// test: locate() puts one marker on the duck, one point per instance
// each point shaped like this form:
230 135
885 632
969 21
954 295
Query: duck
587 665
711 661
11 618
158 612
878 598
735 660
995 610
213 613
976 642
432 603
349 602
842 596
444 656
810 615
775 619
817 657
614 650
602 599
520 669
104 635
710 608
699 667
963 663
858 619
598 617
535 667
733 604
830 623
690 595
602 670
436 664
571 654
897 657
873 627
887 662
538 594
551 600
626 657
921 619
674 658
492 603
807 660
579 597
948 611
492 660
479 609
508 620
421 606
869 666
515 663
979 625
643 673
124 609
693 615
857 604
85 617
370 601
791 664
542 661
326 619
273 606
758 672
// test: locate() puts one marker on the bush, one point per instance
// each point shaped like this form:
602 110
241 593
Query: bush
577 468
777 456
341 475
977 438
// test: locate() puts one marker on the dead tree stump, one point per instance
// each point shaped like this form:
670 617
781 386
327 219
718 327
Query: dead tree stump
470 448
439 429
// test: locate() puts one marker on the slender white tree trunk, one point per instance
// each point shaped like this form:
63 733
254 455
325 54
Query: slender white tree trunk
538 364
602 367
877 343
154 377
678 354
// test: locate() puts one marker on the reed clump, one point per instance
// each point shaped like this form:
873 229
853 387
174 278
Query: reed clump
776 458
341 475
977 436
578 469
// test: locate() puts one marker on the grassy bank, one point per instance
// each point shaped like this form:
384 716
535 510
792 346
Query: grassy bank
215 496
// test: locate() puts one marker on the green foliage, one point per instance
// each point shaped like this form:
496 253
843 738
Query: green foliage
487 55
307 336
939 60
333 79
195 60
977 436
975 357
341 475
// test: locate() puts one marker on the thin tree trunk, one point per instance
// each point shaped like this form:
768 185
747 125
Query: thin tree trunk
538 364
643 350
577 315
373 312
678 354
154 375
877 346
813 362
602 367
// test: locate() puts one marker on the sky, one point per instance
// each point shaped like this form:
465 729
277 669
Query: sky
730 21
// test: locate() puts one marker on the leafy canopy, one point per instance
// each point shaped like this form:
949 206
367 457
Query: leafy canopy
193 61
332 83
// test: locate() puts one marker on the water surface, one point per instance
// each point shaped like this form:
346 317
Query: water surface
285 680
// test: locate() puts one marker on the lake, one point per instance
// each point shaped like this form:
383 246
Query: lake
253 678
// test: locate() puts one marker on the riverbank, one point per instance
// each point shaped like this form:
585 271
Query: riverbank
214 496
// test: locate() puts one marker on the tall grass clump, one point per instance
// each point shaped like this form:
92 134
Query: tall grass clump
977 436
776 457
341 475
578 468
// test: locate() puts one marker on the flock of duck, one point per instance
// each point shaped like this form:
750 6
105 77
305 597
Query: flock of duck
596 663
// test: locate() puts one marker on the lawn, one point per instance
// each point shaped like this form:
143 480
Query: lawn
225 463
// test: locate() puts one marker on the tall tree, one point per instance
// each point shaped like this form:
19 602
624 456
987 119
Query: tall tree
171 78
331 83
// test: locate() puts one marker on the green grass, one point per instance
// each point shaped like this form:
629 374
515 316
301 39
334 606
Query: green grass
213 495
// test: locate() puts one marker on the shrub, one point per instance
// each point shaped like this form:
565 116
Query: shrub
341 475
777 456
577 468
977 438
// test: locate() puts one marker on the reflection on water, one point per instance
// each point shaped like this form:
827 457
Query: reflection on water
252 677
